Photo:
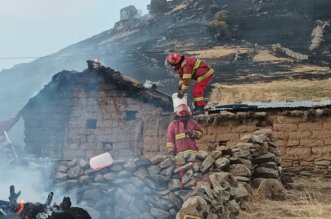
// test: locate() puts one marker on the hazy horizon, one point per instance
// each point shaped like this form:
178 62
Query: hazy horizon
36 28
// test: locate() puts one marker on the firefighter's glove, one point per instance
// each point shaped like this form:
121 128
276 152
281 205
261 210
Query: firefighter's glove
180 95
190 133
172 154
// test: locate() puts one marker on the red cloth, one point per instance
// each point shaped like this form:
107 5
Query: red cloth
193 68
177 140
7 124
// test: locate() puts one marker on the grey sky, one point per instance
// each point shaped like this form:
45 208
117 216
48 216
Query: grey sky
34 28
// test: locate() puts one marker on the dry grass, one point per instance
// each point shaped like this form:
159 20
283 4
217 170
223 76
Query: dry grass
311 69
218 52
118 36
275 91
178 7
314 202
267 56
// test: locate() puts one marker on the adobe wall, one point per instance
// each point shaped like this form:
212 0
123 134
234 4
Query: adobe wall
303 137
115 131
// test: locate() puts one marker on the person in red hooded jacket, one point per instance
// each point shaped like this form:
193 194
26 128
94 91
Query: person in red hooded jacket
183 132
190 68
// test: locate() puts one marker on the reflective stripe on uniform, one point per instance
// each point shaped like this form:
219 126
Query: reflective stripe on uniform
203 77
197 64
199 98
187 76
169 144
180 136
187 152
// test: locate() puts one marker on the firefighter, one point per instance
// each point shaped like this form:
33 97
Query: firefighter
183 132
181 140
190 68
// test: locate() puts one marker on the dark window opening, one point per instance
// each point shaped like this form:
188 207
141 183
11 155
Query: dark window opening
130 115
91 124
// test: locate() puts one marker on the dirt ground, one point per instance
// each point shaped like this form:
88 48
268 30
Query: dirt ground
311 199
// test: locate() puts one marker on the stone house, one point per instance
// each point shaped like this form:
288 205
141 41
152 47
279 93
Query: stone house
82 114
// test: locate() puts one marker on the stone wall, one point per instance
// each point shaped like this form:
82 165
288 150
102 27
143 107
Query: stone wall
303 136
213 185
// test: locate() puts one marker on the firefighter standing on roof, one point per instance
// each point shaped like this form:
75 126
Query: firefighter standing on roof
190 68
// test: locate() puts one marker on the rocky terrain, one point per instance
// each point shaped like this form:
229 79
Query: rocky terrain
137 47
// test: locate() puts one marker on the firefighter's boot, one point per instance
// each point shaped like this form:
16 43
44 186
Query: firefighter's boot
198 110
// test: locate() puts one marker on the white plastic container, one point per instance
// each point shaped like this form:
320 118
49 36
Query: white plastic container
177 101
101 161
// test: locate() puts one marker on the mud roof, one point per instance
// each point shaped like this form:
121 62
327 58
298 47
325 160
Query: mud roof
62 84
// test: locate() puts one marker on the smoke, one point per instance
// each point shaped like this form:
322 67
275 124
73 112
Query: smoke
32 179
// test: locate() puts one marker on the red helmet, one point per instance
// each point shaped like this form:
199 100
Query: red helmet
173 59
183 110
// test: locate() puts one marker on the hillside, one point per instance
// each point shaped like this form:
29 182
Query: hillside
240 50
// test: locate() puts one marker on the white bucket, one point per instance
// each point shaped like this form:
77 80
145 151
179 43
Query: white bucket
101 161
177 101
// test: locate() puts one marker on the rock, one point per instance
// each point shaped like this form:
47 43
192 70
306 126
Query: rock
142 162
266 132
174 184
150 183
146 215
62 169
259 138
159 213
216 154
202 154
130 166
124 174
110 176
141 172
116 167
207 163
85 179
222 163
240 192
123 198
83 164
180 160
233 207
159 179
264 158
166 163
61 176
196 166
263 172
156 159
154 169
137 181
242 179
240 170
223 176
183 168
175 199
99 178
323 163
75 172
168 172
187 176
195 206
192 157
242 150
270 188
270 164
72 164
164 204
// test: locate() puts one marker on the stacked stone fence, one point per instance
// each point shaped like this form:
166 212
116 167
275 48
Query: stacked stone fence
215 184
303 136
